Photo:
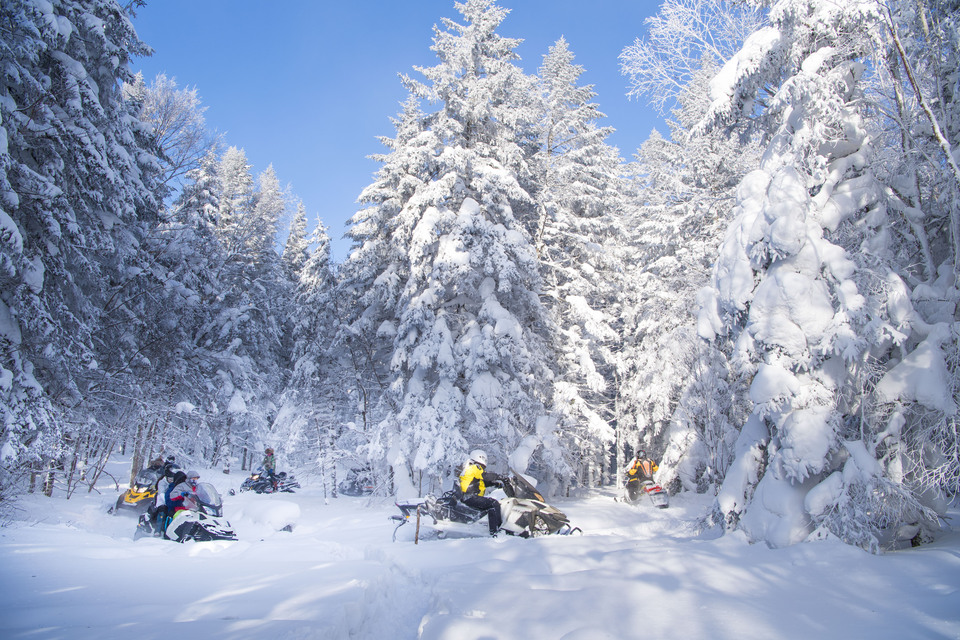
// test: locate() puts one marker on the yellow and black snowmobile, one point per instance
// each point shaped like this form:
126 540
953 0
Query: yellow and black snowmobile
141 494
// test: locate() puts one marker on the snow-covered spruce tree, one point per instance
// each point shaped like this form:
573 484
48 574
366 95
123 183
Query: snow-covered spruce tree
235 221
798 287
582 202
269 211
674 391
314 410
240 340
372 278
191 255
470 351
296 250
186 256
77 185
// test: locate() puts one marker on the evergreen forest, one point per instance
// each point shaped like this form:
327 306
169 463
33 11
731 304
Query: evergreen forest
763 297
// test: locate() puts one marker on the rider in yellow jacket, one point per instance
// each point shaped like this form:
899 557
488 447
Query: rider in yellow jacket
640 470
473 484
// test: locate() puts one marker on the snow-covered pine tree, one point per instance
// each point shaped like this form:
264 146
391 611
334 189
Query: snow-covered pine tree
269 211
470 352
241 335
296 250
190 255
235 219
187 258
372 277
674 389
315 408
804 286
582 202
77 194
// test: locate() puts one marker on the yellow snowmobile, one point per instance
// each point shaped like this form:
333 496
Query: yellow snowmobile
141 494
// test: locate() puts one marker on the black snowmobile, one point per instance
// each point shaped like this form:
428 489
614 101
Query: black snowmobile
202 524
359 482
259 482
524 512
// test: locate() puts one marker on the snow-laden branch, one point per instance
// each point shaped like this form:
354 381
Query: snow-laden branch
945 145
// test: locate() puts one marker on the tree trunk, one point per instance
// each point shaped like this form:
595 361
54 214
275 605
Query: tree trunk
49 478
71 469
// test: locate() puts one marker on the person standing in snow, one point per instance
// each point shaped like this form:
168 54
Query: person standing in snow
473 484
269 466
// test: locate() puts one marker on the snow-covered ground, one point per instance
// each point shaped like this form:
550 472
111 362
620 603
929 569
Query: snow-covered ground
69 570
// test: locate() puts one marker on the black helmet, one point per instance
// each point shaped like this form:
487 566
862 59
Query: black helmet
179 477
641 453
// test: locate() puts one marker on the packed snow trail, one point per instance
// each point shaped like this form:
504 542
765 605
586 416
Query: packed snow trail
71 571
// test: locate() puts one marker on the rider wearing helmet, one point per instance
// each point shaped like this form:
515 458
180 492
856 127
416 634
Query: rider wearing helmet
158 513
170 463
473 484
184 494
641 469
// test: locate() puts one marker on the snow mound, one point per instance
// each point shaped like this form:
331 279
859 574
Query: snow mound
922 376
589 633
268 512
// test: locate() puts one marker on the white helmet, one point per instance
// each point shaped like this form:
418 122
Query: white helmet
479 456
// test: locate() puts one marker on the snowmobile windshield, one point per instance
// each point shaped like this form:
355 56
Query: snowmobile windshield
524 488
208 494
147 478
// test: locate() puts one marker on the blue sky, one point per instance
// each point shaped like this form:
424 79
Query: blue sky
308 85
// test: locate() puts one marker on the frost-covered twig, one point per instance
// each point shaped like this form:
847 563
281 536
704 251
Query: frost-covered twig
937 132
942 140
